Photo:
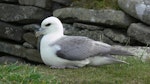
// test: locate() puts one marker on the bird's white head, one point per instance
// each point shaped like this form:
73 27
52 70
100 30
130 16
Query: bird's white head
50 25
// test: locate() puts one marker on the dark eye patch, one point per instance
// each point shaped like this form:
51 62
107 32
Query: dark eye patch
48 24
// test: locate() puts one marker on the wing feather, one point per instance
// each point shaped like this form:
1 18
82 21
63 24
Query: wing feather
79 48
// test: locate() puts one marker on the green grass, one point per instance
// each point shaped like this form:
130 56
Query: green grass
96 4
135 73
24 74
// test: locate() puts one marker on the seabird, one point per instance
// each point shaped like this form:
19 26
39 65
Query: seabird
61 51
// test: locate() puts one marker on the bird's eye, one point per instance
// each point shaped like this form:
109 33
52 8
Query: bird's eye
48 24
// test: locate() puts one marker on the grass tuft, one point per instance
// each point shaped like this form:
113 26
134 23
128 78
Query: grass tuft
23 74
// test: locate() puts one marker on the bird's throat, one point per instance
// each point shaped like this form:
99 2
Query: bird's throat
49 39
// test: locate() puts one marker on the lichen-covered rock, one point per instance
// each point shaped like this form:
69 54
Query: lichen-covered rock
20 51
140 32
28 45
31 27
9 1
105 17
10 60
64 2
39 3
117 36
30 38
139 9
96 35
70 30
22 14
87 26
11 32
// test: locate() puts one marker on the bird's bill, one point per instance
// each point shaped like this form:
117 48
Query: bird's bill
39 32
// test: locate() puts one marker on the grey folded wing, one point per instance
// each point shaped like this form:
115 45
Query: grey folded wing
80 48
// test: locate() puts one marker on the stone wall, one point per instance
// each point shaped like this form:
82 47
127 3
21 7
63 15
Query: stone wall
20 18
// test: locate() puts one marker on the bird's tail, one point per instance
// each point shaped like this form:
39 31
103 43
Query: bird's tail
120 61
120 51
103 60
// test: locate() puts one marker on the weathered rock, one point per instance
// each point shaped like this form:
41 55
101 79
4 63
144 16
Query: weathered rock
140 32
31 27
139 52
105 39
30 38
12 32
96 35
64 2
28 45
22 14
105 17
10 60
86 26
139 9
39 3
33 55
56 5
20 51
70 30
9 1
117 36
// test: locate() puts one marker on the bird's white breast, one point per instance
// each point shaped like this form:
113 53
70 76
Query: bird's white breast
48 53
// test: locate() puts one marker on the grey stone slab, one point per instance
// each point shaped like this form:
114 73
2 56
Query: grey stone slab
22 14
